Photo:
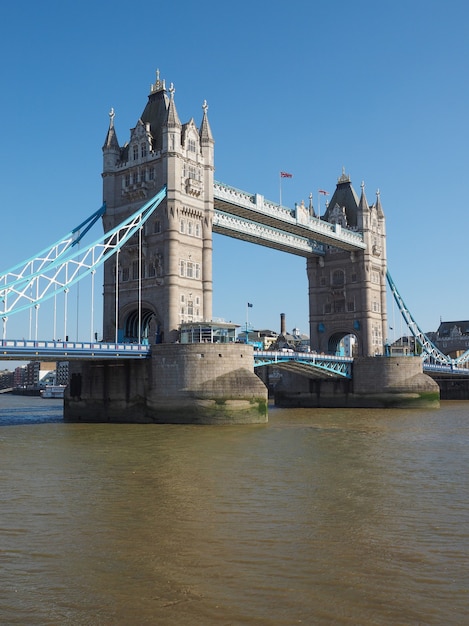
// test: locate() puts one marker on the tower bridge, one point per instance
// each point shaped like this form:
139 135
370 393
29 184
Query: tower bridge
161 206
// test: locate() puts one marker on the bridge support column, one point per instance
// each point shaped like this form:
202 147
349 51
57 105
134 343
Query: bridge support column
378 382
179 384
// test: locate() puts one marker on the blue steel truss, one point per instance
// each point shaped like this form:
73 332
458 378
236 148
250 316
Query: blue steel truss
430 352
55 270
42 260
328 365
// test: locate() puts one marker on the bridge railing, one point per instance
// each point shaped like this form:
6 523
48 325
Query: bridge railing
66 350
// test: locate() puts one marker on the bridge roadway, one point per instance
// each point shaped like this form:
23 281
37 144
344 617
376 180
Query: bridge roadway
37 350
251 217
310 364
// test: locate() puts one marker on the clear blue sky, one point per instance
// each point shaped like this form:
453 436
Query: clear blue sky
379 88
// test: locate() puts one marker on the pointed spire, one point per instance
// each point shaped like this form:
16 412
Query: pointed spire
379 208
111 143
205 130
172 118
363 203
310 207
158 85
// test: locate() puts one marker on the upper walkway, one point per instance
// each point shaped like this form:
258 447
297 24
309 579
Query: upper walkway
251 217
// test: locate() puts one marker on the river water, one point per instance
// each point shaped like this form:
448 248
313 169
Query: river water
348 517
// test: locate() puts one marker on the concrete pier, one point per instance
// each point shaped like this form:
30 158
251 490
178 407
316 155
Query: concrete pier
378 382
179 384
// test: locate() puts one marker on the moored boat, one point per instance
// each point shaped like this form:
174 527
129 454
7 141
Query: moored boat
53 391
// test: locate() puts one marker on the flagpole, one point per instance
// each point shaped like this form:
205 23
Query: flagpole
280 186
247 322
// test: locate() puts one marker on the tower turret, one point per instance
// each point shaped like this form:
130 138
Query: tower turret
166 279
348 289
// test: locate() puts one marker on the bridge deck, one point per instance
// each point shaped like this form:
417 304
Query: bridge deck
255 208
30 350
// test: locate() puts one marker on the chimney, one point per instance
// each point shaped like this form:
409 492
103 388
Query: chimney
282 324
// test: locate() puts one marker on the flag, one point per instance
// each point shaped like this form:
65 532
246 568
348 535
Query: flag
324 193
249 305
286 175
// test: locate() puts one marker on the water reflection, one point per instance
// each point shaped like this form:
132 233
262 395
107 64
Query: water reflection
319 517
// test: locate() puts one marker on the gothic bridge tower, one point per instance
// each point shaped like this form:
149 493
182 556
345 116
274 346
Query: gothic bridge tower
164 276
347 291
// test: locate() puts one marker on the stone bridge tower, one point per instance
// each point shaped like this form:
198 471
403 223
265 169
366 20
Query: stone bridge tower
164 277
347 291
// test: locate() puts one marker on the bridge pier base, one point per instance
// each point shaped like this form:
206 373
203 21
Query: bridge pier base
378 382
178 384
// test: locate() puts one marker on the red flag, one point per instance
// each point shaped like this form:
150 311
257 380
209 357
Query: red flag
286 175
324 193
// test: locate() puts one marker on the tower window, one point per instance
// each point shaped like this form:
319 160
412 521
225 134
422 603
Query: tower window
338 278
156 227
191 145
143 150
151 173
135 153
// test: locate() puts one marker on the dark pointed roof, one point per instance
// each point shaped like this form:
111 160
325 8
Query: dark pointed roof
379 208
205 130
172 118
344 196
363 204
156 111
111 143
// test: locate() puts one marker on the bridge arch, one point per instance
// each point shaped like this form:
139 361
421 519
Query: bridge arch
150 330
343 343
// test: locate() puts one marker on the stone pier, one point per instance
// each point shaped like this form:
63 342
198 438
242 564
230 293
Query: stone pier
179 384
378 382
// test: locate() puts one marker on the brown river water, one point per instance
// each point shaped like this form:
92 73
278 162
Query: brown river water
348 517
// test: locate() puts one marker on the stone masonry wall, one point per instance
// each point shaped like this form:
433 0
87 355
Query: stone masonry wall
195 383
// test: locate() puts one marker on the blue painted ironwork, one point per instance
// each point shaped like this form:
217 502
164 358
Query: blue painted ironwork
43 259
67 268
329 365
429 351
28 349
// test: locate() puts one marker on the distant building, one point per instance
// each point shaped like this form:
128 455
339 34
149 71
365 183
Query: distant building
452 338
6 379
61 373
290 341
